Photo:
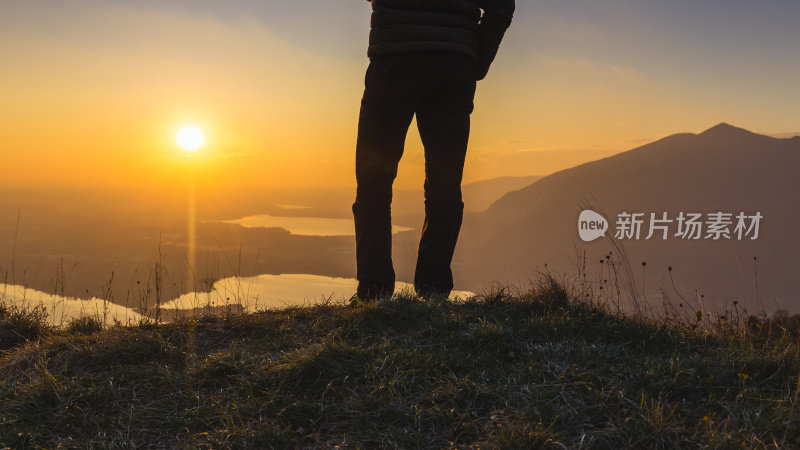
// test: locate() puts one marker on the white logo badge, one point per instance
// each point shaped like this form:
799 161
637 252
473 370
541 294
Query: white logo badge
591 225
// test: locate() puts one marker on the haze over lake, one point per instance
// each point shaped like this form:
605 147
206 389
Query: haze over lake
304 226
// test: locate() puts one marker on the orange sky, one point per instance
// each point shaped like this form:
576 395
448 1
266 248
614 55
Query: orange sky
94 92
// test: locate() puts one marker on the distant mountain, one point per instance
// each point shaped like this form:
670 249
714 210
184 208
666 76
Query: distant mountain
477 196
785 135
724 169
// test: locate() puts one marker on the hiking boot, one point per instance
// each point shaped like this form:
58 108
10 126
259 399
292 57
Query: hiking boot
433 295
357 300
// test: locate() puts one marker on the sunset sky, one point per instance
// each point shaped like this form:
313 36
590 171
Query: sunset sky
92 93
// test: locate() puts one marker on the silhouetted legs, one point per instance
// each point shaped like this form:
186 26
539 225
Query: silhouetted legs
386 113
443 123
439 88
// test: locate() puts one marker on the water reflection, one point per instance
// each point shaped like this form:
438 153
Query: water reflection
60 310
306 226
278 291
251 293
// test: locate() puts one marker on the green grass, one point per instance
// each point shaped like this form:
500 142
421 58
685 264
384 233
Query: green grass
533 369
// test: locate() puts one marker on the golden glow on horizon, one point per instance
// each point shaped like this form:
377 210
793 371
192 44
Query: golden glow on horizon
88 101
190 138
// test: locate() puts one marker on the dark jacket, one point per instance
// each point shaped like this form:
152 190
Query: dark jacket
472 27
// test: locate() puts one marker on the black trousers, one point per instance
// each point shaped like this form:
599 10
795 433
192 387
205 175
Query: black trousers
439 88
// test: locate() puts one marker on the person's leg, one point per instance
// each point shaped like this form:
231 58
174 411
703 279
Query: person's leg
444 123
384 119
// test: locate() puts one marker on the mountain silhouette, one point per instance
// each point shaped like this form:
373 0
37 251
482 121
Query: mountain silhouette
723 169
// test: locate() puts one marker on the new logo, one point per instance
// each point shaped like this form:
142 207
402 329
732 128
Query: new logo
591 225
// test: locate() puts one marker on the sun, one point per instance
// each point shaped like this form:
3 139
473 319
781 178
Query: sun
190 138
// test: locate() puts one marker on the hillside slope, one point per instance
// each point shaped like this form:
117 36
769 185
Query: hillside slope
536 370
724 169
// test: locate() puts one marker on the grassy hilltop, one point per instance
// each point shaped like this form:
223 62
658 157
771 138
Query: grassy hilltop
541 368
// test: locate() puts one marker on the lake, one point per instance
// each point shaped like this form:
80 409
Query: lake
278 291
60 310
252 293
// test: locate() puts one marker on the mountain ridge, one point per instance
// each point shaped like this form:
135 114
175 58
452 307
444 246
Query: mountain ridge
724 168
